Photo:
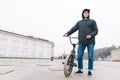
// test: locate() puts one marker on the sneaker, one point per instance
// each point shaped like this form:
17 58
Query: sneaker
79 71
89 73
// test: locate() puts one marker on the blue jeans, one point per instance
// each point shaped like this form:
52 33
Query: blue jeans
81 49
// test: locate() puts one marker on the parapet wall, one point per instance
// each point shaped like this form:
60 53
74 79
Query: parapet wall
115 55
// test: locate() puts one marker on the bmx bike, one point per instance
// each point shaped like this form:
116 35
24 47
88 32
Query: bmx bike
69 61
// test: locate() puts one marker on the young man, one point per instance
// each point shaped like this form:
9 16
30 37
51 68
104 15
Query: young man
86 36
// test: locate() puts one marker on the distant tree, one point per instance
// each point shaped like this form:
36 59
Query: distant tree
118 47
102 52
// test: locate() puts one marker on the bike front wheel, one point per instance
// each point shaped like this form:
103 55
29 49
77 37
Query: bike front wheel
67 65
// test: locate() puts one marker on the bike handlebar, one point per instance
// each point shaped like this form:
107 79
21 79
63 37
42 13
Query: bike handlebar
71 40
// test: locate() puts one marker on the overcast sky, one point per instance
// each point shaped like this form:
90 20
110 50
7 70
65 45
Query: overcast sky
50 19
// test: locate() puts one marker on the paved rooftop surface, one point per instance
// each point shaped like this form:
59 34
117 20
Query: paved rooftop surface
43 69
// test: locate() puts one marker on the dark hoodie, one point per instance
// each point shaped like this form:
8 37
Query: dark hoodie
85 27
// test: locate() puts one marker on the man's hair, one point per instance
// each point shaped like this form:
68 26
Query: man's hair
88 10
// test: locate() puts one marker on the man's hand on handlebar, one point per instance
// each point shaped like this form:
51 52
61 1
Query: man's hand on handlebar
65 35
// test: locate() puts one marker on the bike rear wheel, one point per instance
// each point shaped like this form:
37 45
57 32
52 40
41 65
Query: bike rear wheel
67 65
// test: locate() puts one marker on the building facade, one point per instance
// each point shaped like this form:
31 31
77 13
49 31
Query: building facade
20 46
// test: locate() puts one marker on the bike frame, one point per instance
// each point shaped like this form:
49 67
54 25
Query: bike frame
73 50
73 44
69 61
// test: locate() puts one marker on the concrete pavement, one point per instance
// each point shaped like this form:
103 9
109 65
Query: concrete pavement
43 69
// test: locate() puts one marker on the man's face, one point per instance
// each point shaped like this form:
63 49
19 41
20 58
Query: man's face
86 14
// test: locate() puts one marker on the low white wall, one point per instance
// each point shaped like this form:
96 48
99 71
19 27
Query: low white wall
115 55
12 45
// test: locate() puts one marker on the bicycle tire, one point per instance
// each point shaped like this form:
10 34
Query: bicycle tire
67 67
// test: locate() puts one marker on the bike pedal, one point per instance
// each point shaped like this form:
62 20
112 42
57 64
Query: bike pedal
62 62
75 64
